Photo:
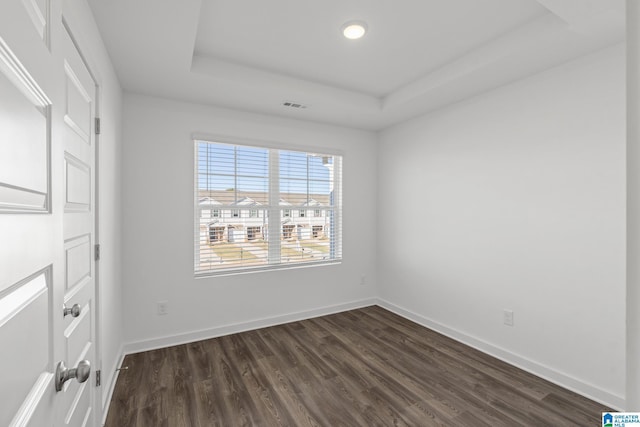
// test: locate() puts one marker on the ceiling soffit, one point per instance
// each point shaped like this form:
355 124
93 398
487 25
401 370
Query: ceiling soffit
169 60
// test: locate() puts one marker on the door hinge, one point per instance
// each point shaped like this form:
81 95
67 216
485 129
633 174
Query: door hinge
98 378
97 126
97 253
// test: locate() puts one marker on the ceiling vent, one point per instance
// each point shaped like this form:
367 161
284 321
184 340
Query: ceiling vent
294 105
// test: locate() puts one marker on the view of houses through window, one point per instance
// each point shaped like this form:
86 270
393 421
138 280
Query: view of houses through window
258 207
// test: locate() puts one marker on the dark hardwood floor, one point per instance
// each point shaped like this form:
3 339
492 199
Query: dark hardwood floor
365 367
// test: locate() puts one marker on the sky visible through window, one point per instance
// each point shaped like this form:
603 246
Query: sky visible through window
226 167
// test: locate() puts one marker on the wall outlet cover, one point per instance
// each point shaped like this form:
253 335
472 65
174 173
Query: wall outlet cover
163 308
508 317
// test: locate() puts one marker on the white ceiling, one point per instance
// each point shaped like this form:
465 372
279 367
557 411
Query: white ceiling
418 55
405 40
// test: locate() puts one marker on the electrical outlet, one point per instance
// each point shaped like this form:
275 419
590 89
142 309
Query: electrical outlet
507 317
362 280
162 308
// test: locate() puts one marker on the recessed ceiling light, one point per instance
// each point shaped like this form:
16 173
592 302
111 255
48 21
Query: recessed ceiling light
354 29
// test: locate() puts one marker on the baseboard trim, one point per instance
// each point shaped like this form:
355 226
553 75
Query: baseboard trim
552 375
178 339
110 385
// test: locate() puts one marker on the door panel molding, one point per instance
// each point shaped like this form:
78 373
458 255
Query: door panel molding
77 261
38 11
78 336
77 184
32 412
78 105
81 400
29 355
25 143
18 296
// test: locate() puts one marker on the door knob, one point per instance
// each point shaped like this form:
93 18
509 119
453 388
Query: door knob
73 311
81 373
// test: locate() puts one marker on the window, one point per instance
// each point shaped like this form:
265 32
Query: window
268 183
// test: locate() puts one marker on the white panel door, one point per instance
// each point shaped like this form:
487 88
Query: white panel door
27 227
78 142
47 197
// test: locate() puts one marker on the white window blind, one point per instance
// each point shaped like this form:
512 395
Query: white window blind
244 199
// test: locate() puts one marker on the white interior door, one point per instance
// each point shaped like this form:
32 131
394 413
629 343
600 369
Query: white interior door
47 197
78 142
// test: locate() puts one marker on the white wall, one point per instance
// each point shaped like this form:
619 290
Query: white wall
516 199
80 20
158 231
633 206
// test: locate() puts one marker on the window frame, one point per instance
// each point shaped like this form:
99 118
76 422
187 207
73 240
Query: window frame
334 210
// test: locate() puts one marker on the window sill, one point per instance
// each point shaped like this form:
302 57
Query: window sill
262 269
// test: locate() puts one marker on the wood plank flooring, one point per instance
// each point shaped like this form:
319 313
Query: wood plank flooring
365 367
